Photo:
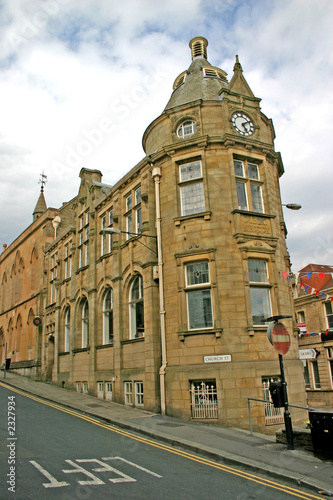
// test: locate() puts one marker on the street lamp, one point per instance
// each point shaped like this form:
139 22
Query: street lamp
114 230
292 206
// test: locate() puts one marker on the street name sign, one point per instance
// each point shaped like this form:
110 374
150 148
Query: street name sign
217 359
307 353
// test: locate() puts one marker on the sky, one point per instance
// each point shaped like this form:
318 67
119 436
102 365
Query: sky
80 81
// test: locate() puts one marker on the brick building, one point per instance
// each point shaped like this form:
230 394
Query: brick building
156 289
314 311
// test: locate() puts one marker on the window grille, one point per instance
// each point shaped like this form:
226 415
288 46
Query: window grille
204 400
272 415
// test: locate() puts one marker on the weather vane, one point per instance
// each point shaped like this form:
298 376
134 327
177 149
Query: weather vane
42 181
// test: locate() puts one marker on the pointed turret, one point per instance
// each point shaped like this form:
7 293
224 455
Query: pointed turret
41 206
238 83
201 80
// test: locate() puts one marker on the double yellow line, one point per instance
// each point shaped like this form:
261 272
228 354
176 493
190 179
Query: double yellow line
110 427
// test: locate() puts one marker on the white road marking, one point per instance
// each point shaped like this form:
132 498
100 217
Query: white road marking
53 481
78 469
107 468
133 465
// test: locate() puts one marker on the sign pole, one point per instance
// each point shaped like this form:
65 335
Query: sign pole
279 337
287 417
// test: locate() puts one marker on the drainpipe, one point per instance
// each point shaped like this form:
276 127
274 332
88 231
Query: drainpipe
156 174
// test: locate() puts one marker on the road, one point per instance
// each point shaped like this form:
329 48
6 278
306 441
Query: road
49 451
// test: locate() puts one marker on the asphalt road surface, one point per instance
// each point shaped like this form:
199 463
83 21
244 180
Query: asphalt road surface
49 451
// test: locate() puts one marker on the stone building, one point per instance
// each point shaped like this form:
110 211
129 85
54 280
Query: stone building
156 290
314 312
21 292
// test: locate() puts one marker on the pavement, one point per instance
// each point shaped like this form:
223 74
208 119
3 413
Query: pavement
258 453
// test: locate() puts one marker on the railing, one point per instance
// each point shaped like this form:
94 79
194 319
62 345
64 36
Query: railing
204 400
269 403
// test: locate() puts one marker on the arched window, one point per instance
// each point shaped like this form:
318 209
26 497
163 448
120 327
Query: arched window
186 129
136 308
108 317
85 323
67 328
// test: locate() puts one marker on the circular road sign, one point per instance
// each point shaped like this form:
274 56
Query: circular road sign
278 336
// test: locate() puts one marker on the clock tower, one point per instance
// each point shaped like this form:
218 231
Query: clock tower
223 243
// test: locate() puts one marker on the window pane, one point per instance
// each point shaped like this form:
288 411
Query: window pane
135 289
241 196
307 376
238 165
129 202
328 307
316 374
256 198
199 309
260 304
190 171
257 271
138 220
107 302
138 196
192 198
197 273
129 225
139 318
253 171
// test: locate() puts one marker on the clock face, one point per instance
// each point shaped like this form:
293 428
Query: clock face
242 123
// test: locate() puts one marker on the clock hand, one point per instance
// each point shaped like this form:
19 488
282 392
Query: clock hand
243 125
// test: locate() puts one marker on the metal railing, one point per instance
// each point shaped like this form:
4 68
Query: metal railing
269 403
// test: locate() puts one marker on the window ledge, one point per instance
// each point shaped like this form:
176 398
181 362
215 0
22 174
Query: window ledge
66 280
215 331
81 349
104 256
83 268
256 214
65 353
201 215
104 346
132 341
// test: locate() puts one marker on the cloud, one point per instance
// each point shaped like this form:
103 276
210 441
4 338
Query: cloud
79 82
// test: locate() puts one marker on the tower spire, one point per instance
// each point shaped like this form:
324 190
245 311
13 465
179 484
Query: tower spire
41 206
42 181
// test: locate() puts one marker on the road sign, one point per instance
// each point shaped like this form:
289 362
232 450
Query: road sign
307 353
279 337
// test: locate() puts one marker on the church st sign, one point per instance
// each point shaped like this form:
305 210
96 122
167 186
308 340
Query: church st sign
307 353
217 359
